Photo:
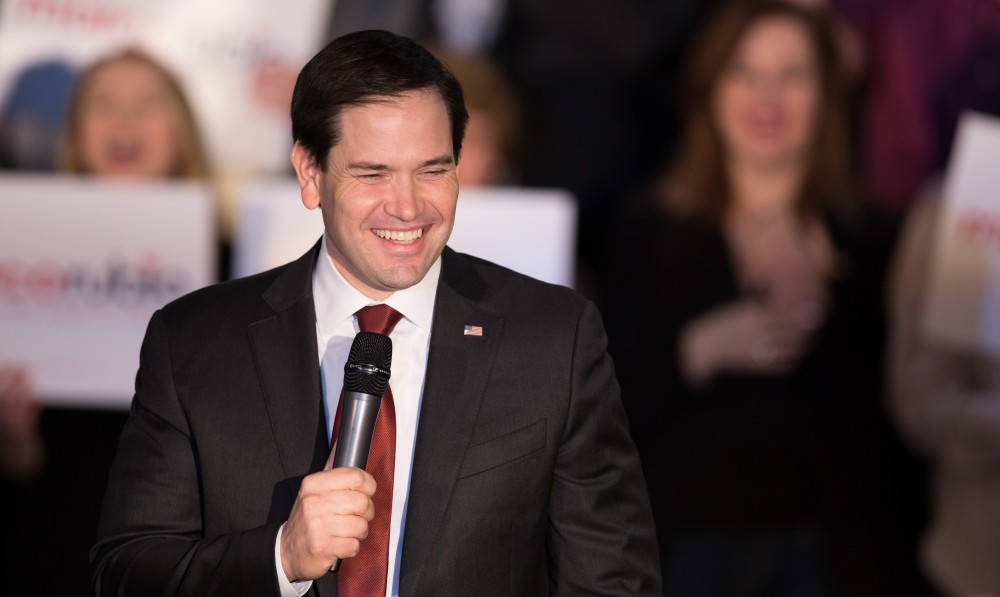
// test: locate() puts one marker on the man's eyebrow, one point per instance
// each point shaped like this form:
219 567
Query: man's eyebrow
441 160
367 166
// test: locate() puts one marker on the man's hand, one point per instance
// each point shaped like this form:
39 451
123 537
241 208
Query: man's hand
328 521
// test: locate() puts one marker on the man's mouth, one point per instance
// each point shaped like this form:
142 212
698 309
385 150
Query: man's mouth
400 236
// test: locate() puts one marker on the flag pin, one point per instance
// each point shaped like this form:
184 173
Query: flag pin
473 330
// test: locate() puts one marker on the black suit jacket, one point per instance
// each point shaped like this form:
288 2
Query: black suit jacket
525 480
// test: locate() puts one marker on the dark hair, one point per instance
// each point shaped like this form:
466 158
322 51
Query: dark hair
697 184
363 68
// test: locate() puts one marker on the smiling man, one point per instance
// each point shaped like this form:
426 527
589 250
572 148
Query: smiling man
388 191
501 462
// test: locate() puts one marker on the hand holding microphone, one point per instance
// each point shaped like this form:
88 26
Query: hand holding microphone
331 513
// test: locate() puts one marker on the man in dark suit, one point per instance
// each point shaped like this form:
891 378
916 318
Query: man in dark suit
513 471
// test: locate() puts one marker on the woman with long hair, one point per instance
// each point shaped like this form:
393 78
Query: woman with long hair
743 302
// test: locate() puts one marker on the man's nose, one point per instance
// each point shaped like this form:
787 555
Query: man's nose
404 203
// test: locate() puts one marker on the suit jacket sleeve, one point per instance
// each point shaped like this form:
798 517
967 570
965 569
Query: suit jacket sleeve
601 539
150 540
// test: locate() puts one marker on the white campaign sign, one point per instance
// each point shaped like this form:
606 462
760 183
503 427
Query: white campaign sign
83 265
963 298
532 231
236 59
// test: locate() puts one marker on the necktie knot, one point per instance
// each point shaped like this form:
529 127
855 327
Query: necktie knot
380 319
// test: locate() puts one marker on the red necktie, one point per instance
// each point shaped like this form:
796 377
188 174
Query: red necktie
366 573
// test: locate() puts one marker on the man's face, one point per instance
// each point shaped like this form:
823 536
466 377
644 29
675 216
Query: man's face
389 191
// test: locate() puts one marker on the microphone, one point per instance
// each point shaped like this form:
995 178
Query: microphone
366 375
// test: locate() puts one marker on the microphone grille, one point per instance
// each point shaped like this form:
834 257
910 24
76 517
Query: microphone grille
367 367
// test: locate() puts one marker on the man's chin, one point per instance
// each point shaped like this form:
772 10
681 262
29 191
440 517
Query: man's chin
402 282
399 277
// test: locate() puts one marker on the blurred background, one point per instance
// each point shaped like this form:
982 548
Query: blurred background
753 193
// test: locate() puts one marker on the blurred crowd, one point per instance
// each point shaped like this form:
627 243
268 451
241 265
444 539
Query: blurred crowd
756 192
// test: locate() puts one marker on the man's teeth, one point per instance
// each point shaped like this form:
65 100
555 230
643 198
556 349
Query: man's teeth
400 236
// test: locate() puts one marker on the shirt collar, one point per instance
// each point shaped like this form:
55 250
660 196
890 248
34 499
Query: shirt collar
336 300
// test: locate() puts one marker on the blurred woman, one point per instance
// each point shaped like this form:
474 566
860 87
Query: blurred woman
129 118
743 303
491 146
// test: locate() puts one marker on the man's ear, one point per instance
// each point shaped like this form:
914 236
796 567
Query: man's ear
309 175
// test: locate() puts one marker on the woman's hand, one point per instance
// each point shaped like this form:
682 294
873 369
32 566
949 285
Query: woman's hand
749 336
22 451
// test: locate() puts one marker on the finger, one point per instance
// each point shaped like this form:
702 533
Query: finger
807 315
788 356
348 527
18 391
791 342
785 324
773 363
357 479
360 480
793 326
345 502
8 383
310 550
344 548
352 503
777 353
329 516
340 478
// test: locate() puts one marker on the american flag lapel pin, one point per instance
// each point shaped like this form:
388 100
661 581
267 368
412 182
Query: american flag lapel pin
473 330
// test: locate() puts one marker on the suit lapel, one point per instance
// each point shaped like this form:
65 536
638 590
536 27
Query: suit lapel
287 362
458 367
284 352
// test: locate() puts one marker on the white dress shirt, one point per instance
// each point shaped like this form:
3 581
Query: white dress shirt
336 302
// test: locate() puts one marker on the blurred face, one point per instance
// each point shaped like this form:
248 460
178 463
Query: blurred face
767 100
481 161
129 123
389 191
